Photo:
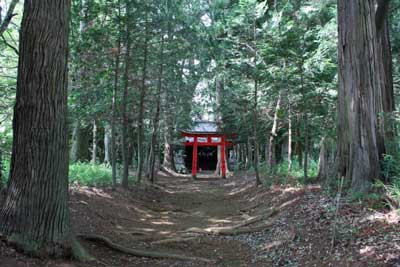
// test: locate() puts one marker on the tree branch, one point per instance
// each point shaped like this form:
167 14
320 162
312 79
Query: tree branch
9 45
7 19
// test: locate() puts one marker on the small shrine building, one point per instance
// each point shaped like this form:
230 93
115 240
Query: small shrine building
201 147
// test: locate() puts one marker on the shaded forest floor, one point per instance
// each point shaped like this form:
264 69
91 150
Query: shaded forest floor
285 225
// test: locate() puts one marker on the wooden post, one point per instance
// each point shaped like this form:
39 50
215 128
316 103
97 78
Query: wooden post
194 158
223 160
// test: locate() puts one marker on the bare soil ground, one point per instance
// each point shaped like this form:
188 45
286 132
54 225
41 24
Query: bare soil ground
228 222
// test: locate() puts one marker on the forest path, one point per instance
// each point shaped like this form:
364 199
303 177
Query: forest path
234 223
179 215
228 222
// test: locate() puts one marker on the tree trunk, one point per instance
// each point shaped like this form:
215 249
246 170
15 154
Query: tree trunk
323 160
156 121
140 151
114 102
290 140
306 148
125 116
73 153
255 133
94 143
299 146
218 95
249 156
365 90
273 134
1 173
107 144
35 215
80 143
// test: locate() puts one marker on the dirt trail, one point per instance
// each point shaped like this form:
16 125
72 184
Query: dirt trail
283 225
177 208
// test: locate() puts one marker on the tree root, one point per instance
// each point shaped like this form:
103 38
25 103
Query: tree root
228 231
131 232
238 228
173 240
140 253
257 219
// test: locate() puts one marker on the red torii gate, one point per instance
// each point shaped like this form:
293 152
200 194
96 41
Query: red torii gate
207 139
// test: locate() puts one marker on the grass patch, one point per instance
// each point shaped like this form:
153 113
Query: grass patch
80 173
90 174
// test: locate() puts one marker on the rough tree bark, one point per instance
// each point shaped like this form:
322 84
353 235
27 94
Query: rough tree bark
249 154
299 145
306 148
365 89
80 135
140 150
35 216
290 138
1 171
255 133
324 157
273 134
219 84
94 142
80 143
125 116
107 144
114 103
156 121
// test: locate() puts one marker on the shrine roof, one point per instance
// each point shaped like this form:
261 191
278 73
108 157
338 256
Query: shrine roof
203 127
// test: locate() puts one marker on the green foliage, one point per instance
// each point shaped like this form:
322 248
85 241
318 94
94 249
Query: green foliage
394 190
5 170
390 167
297 172
391 170
89 174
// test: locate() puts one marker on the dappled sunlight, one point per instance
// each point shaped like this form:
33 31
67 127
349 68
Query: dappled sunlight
291 189
392 217
215 220
145 213
165 233
91 191
272 245
240 190
162 223
372 251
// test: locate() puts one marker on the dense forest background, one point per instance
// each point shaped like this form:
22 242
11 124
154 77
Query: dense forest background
94 94
139 71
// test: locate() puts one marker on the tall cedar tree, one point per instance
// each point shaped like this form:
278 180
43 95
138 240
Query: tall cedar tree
365 89
35 216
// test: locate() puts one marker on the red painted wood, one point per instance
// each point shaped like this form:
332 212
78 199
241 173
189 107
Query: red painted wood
194 159
208 144
223 160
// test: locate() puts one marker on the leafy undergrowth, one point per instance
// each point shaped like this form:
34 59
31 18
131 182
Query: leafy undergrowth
89 174
299 233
